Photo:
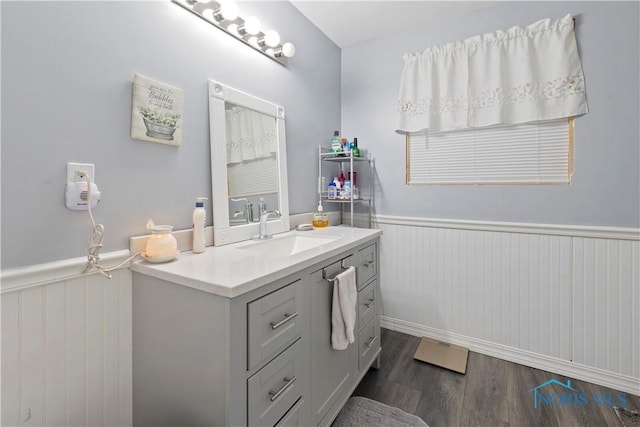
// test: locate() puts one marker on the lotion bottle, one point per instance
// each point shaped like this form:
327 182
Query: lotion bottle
199 218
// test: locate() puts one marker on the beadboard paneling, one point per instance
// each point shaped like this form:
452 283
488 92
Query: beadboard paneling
66 352
607 303
557 296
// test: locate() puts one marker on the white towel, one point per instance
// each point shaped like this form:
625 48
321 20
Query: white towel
343 310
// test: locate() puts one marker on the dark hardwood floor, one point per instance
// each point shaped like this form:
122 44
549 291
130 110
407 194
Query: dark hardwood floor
493 392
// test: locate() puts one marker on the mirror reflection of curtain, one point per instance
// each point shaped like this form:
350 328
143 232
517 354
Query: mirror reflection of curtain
250 135
252 167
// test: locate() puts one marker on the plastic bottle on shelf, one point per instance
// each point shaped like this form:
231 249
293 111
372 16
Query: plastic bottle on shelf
336 146
346 147
332 191
338 185
341 179
346 194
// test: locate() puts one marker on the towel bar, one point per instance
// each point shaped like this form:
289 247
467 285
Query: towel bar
330 280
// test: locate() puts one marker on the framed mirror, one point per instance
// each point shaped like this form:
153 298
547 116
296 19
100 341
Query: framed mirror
248 164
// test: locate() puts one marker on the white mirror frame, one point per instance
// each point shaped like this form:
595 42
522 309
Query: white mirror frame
223 233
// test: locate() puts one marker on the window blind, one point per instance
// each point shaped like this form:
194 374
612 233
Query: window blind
255 177
531 153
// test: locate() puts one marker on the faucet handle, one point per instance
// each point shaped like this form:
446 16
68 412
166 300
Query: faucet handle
248 208
274 212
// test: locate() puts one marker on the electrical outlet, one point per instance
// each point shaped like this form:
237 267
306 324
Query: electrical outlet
74 168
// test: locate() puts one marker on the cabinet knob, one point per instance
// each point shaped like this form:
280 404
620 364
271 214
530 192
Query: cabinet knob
370 303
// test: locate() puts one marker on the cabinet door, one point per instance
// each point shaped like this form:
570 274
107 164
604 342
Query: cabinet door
332 371
294 417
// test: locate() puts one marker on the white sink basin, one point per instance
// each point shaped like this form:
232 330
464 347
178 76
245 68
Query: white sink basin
287 244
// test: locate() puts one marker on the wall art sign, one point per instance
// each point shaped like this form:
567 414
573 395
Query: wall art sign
156 114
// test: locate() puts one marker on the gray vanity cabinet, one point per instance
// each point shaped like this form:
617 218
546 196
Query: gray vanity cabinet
261 358
336 373
200 359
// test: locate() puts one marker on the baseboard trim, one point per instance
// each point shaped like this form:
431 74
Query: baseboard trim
590 374
600 232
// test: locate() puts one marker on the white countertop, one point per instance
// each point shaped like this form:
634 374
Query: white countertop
230 271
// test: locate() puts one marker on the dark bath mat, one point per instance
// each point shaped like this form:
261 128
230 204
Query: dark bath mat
360 411
628 417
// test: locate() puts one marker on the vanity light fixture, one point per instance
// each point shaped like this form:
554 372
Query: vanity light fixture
223 14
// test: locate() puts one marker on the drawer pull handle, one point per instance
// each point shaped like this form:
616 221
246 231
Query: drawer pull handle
368 263
287 383
371 341
287 317
370 303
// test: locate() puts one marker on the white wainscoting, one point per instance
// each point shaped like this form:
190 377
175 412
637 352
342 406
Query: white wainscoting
563 299
66 346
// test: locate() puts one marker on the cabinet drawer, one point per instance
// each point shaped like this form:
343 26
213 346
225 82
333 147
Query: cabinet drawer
293 418
273 323
367 304
274 389
368 343
367 265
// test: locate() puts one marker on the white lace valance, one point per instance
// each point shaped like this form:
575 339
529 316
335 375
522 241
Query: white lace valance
250 135
506 77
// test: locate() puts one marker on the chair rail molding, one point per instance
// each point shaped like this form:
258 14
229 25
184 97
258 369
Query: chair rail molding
594 231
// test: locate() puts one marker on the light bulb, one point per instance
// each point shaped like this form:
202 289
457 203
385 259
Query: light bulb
288 49
233 29
270 52
229 10
208 13
252 25
272 38
253 41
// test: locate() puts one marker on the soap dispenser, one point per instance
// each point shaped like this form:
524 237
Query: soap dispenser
320 219
199 218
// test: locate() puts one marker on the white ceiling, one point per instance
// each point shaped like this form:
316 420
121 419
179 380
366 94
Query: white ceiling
352 22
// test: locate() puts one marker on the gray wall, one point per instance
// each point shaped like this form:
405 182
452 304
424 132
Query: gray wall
605 189
67 71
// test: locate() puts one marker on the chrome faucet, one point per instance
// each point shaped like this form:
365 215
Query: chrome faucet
263 225
248 209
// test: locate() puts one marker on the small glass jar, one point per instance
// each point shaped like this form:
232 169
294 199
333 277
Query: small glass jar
162 245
